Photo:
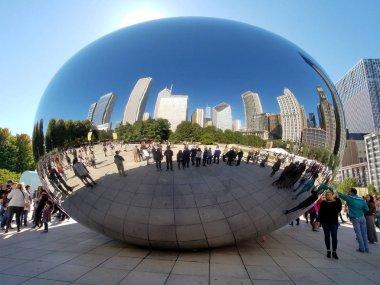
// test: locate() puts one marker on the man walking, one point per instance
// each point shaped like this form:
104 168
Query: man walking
169 158
357 207
119 161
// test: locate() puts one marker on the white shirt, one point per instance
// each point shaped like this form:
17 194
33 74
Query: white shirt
17 198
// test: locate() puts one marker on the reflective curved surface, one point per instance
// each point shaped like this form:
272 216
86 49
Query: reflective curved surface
254 127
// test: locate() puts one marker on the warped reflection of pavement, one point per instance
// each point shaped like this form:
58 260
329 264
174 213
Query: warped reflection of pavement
198 207
73 254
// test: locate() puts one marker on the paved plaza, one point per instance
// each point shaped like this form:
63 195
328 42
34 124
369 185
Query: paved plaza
73 254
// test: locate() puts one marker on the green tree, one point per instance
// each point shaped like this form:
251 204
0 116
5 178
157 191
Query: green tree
69 133
8 150
187 131
348 183
372 189
40 138
50 136
25 159
6 175
60 133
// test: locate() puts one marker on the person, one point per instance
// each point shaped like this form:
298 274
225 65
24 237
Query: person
4 202
82 173
193 154
377 203
42 199
179 158
169 158
249 156
17 199
328 218
357 207
370 219
308 185
198 157
157 156
239 157
217 154
136 154
92 159
186 157
205 153
25 212
275 167
230 156
119 161
46 215
105 149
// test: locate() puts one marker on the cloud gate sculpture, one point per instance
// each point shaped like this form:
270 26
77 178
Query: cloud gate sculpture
252 124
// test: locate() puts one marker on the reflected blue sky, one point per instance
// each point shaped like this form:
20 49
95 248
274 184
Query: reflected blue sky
210 60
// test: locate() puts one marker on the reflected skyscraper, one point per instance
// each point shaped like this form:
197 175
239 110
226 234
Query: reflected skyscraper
259 122
327 120
274 126
359 92
311 122
236 125
162 94
372 143
146 116
171 107
252 107
137 101
197 117
207 116
101 118
292 117
90 115
222 116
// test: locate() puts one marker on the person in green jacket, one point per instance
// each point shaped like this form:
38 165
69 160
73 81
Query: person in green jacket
357 207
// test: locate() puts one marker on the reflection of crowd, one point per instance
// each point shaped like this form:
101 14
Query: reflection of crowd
17 201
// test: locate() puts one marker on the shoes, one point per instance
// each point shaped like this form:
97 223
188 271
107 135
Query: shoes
18 230
334 255
6 231
329 254
359 250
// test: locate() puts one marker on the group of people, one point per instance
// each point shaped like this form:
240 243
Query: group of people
196 156
17 201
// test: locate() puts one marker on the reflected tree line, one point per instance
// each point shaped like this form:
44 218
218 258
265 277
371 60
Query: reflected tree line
62 134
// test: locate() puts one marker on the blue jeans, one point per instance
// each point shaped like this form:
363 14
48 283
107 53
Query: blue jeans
360 227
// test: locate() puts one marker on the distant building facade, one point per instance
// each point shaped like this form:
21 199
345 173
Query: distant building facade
222 116
327 119
236 125
198 117
311 122
292 117
252 107
275 126
174 108
359 92
101 118
137 101
259 122
90 115
146 116
359 171
315 137
372 144
354 153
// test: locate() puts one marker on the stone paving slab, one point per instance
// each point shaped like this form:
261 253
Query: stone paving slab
73 254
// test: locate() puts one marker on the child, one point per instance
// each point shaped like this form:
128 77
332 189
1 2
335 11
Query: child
46 215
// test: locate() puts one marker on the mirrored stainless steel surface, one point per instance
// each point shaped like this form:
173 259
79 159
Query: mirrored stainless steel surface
253 124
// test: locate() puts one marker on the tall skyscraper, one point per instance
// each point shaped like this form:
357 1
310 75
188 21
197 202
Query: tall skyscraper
171 107
101 118
236 125
327 120
146 116
90 115
359 92
162 94
252 106
222 116
311 122
259 122
137 101
372 144
197 117
292 117
275 126
207 116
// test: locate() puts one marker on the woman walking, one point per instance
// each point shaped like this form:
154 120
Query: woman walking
370 219
328 218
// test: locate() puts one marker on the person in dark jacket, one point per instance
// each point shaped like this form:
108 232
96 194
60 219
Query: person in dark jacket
169 158
186 158
179 158
328 217
275 167
239 157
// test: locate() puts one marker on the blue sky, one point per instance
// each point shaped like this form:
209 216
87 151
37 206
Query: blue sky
39 37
